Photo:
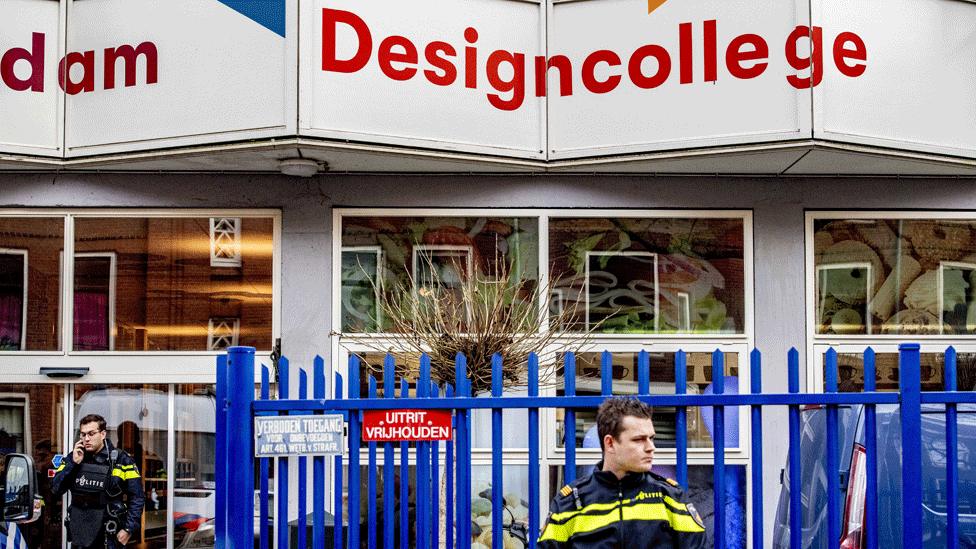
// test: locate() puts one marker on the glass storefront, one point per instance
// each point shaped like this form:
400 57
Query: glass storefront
33 420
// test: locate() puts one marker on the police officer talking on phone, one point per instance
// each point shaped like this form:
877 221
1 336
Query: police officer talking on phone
106 490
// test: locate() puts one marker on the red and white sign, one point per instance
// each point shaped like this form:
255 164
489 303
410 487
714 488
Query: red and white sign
406 425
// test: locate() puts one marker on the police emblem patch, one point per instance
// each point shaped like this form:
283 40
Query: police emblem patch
566 490
695 516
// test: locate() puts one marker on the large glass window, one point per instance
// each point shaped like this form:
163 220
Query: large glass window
172 283
32 422
906 276
30 283
384 258
623 275
616 280
136 418
194 483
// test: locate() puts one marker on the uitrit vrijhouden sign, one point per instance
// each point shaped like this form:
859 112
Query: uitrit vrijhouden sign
406 425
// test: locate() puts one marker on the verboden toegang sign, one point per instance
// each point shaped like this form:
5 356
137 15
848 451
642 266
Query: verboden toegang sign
306 435
406 425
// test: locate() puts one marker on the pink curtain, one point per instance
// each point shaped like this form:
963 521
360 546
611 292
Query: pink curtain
11 320
91 322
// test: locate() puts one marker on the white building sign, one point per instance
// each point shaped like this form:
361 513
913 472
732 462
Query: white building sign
305 435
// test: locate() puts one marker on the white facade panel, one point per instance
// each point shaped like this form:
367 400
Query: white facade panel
696 101
29 52
440 86
203 73
918 91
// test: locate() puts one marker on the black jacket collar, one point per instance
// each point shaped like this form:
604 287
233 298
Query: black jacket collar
607 478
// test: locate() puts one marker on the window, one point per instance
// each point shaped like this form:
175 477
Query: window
885 276
650 275
152 283
30 283
895 275
13 299
658 281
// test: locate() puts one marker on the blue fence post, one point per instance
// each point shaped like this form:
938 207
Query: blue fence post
302 538
422 467
833 451
909 367
681 418
449 504
318 464
952 455
389 475
462 455
718 445
871 451
404 479
240 477
281 468
354 435
371 480
755 373
337 481
533 452
569 421
497 488
220 462
263 470
796 490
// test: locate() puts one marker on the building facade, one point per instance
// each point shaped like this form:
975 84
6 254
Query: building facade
715 175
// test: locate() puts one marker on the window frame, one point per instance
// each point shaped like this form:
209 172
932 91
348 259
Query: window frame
857 343
179 367
23 304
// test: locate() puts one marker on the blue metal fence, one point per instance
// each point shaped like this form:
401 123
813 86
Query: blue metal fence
235 506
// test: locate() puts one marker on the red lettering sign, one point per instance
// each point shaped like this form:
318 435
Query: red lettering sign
406 425
747 56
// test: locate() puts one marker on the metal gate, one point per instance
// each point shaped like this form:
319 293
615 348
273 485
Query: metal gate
237 510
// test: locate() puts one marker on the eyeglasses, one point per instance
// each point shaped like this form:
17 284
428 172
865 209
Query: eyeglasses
90 434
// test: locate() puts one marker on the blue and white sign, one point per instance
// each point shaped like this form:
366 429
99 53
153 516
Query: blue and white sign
307 435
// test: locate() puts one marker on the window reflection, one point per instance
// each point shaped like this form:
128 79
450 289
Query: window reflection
648 275
30 283
31 420
895 276
850 371
382 256
136 418
172 284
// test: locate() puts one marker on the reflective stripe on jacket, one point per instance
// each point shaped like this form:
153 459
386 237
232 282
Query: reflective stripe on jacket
636 512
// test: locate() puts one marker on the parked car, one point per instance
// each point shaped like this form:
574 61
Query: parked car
19 489
852 474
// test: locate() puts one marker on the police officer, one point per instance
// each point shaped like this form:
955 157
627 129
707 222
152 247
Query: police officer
106 490
623 504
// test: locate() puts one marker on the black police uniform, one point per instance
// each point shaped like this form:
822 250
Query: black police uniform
106 496
641 510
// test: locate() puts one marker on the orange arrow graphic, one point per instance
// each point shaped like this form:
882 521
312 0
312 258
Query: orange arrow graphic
654 4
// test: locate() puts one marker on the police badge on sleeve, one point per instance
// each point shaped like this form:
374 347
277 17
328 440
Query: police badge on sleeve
695 516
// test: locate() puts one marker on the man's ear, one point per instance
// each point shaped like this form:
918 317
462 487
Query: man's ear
608 442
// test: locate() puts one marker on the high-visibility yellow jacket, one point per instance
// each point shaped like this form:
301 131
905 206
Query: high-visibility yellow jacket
641 510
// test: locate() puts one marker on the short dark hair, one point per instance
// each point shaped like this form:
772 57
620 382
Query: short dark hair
93 418
610 416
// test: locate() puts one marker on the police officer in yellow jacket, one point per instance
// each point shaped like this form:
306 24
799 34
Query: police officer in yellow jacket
106 490
623 504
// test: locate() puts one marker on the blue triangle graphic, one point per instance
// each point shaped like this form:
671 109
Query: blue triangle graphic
267 13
